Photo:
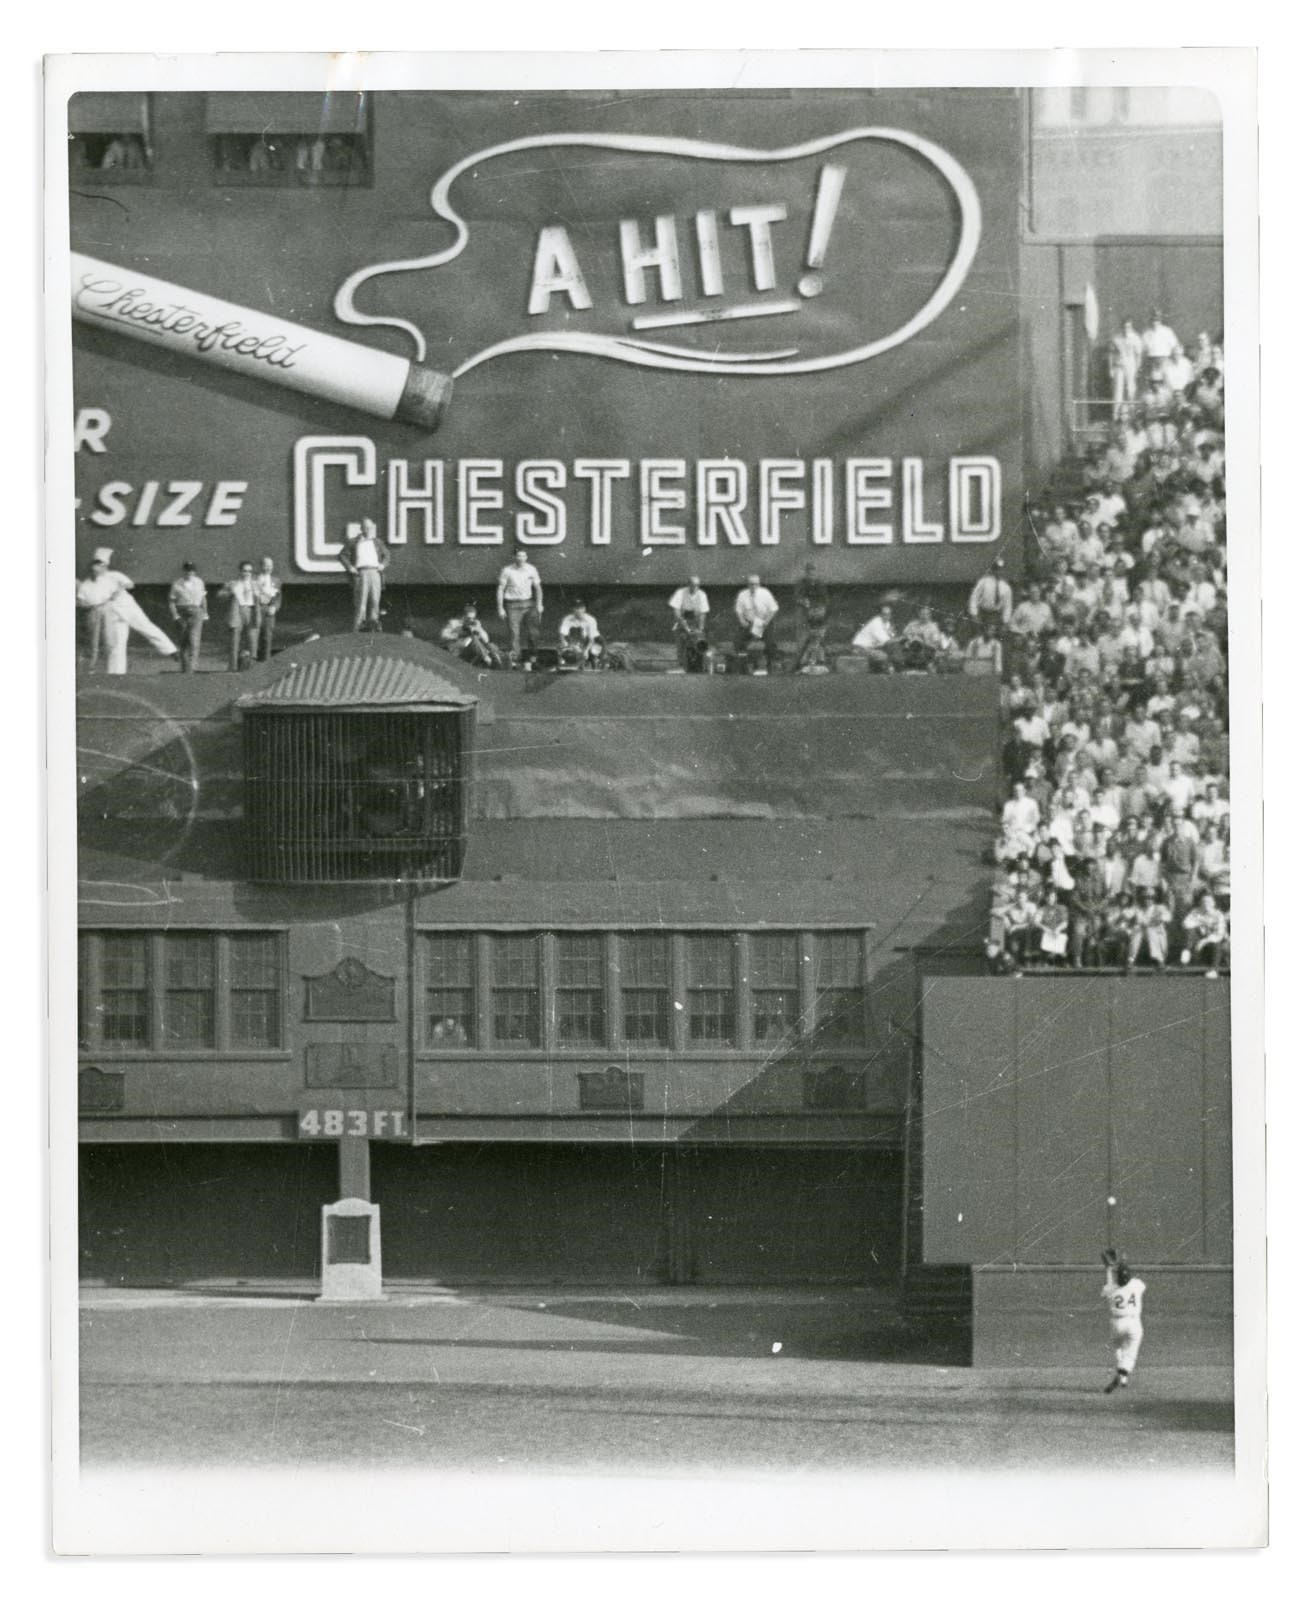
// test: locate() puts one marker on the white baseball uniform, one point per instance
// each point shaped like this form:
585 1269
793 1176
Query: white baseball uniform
1124 1309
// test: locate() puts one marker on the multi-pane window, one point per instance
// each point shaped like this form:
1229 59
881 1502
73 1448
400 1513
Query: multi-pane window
190 999
573 990
839 989
181 991
449 991
124 991
775 986
290 139
516 1010
645 987
255 987
711 1001
580 988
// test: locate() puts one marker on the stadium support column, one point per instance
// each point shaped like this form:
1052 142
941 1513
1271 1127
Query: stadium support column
355 1169
350 1230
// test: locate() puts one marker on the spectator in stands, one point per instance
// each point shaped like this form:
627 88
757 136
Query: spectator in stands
520 606
1090 897
187 602
266 155
581 639
1159 343
1031 731
1052 926
1205 934
755 609
877 641
125 152
467 638
1020 926
1031 618
991 602
1129 671
1149 931
1059 535
984 653
1126 348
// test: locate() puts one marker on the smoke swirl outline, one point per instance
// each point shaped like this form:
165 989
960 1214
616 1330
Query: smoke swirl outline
650 353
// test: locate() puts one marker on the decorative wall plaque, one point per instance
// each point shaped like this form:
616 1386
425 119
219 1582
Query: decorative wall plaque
351 993
99 1092
612 1090
352 1066
833 1089
348 1239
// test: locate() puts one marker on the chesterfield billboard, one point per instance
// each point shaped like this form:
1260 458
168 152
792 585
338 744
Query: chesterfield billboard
719 332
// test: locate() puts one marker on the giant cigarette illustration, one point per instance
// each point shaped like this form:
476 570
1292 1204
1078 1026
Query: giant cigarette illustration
266 347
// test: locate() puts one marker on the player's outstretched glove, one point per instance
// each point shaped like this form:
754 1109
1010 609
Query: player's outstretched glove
1109 1257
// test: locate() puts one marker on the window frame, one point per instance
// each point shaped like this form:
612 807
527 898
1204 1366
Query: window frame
611 956
472 1020
158 1046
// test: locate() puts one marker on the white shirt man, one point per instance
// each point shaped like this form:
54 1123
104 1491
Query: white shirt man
756 608
1133 636
1090 550
1180 372
1159 341
991 599
1032 730
580 621
1179 788
189 592
364 551
1124 352
1210 806
1021 814
366 558
520 604
267 594
691 601
1031 616
519 580
877 633
1059 535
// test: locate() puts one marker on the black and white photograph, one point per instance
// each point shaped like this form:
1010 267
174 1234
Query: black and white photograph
654 729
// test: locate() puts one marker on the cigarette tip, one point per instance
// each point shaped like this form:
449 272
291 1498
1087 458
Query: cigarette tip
425 398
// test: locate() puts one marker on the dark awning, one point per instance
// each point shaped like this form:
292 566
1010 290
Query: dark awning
108 113
285 113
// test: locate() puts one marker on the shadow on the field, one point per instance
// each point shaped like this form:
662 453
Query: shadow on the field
1191 1416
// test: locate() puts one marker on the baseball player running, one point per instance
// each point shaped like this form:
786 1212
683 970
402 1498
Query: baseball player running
1125 1294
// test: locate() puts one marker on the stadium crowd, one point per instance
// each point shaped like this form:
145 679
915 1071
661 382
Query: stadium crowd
1114 841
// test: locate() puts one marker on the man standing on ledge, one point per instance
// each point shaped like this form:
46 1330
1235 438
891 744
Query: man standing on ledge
991 602
520 604
365 558
756 609
187 600
242 618
267 592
